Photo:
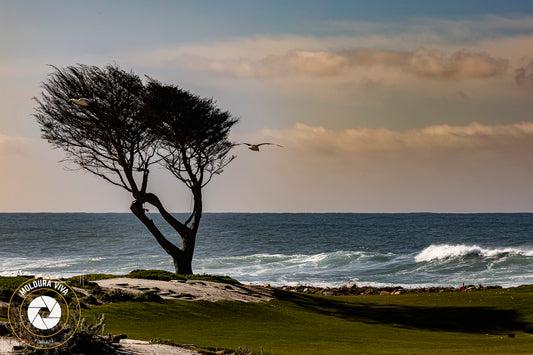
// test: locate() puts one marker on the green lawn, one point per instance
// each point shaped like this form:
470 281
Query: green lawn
432 323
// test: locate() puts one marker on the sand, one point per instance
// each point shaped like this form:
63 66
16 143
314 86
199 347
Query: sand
191 290
7 344
126 347
134 347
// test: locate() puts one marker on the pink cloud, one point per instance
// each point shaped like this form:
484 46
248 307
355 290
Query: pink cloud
439 138
422 62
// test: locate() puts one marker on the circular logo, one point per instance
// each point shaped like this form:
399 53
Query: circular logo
44 313
54 310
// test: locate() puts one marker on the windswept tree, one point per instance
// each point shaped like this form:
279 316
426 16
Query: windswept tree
124 127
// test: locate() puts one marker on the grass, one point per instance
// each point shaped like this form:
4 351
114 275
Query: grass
8 285
295 323
161 275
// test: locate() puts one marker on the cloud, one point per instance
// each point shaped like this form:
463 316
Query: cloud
427 140
319 63
422 62
468 168
524 75
460 64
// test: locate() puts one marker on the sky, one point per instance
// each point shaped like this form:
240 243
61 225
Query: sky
382 106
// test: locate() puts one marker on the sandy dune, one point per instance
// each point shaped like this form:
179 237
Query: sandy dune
192 290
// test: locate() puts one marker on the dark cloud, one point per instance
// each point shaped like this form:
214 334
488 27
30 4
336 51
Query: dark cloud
524 75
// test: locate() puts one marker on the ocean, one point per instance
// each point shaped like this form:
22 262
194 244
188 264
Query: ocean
324 249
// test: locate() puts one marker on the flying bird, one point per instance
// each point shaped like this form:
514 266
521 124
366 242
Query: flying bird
81 101
255 147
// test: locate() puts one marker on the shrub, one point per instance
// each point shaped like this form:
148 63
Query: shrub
5 294
117 296
13 282
213 278
86 340
147 297
161 275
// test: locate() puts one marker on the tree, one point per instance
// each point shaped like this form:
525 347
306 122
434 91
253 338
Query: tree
126 127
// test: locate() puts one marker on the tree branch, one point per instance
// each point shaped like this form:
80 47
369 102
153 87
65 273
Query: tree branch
138 210
179 227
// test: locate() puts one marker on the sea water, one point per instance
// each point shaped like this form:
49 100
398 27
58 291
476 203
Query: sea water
409 250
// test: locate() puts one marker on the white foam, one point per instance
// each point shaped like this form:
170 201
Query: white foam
446 251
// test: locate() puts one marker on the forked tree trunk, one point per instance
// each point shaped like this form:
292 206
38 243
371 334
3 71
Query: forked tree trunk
182 258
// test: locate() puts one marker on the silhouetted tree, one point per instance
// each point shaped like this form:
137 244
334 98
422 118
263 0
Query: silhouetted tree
126 127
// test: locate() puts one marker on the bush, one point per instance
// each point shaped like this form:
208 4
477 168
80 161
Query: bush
161 275
123 296
3 312
213 278
90 300
88 339
13 282
75 280
147 297
5 294
117 296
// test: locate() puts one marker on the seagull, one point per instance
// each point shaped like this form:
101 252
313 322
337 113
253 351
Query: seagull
255 147
81 101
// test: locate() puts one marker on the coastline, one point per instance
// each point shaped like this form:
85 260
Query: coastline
283 320
368 249
194 290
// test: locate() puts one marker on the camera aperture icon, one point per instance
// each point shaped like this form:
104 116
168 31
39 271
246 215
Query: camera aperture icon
44 312
49 304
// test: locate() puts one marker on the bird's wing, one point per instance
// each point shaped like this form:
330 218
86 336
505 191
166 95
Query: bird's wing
248 144
269 144
81 99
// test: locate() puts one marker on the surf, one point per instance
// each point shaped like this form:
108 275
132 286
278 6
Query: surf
449 251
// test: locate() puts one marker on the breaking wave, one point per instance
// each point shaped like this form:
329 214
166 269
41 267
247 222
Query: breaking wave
408 250
447 251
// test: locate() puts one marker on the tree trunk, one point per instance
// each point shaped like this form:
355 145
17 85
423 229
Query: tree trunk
183 261
183 265
182 257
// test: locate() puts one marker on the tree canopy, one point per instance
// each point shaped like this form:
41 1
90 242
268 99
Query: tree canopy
125 126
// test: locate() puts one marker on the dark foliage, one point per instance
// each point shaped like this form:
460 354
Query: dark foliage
160 275
163 275
122 296
106 137
193 132
125 127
